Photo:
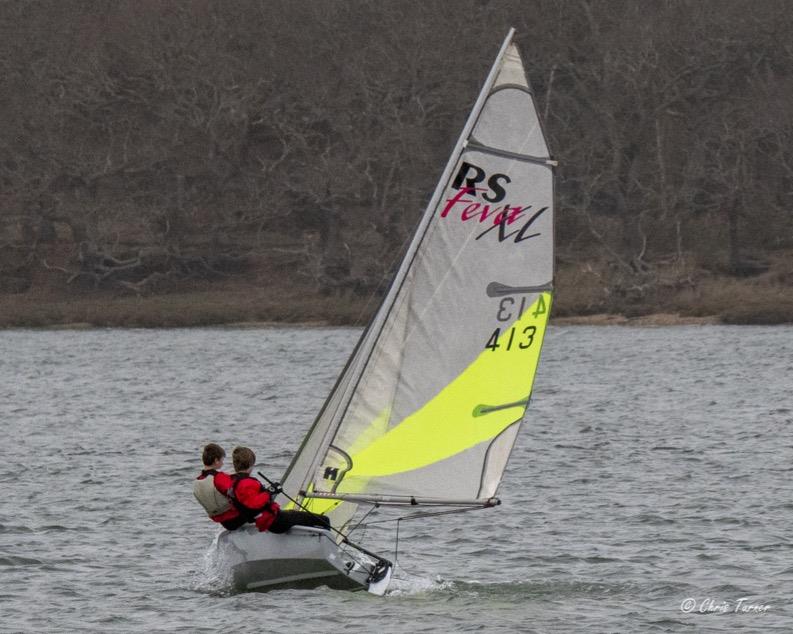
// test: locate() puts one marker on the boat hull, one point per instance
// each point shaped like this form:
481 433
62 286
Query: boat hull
304 557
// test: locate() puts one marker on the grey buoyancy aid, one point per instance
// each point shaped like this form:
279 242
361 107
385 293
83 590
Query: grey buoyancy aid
213 501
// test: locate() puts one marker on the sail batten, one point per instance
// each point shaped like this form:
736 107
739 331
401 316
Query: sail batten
429 404
485 149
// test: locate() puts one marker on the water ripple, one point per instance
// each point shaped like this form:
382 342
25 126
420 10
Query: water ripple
653 467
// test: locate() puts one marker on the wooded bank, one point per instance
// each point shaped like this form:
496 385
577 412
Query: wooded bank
200 162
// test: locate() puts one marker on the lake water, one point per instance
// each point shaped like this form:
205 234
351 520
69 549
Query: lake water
649 491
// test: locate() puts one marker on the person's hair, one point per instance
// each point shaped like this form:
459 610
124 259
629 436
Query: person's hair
211 453
244 458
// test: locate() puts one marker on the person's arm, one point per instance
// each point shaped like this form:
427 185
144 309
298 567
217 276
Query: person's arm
222 482
252 494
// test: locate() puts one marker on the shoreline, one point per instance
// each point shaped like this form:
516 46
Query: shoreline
242 306
657 320
649 321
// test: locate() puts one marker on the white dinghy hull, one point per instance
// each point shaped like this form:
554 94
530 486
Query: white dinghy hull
304 557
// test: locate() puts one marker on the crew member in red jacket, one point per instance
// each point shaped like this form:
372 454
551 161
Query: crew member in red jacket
255 503
211 488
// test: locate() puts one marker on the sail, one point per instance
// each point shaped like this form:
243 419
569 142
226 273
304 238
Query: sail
429 405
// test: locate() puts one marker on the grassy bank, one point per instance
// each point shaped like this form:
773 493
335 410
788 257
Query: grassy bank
578 301
676 293
205 307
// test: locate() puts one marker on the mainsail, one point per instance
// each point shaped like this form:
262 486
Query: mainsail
428 407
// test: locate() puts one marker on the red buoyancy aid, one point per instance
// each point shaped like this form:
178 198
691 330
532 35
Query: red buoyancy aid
253 502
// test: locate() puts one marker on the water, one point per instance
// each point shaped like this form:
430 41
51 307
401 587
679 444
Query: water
656 468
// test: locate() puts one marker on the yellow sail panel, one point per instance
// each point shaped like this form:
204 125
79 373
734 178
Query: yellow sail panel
487 397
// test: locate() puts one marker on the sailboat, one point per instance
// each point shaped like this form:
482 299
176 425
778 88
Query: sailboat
427 409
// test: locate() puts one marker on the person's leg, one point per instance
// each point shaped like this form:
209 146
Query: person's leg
287 519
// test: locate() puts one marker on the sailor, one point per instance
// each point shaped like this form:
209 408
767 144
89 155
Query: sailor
211 488
255 503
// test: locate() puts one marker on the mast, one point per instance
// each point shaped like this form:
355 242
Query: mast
367 343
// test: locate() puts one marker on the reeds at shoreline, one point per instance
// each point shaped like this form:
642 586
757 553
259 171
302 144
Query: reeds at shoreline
719 300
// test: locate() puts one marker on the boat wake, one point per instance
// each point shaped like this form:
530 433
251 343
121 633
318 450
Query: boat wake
407 585
411 585
213 575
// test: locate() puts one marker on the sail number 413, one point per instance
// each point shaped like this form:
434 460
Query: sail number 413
514 337
511 338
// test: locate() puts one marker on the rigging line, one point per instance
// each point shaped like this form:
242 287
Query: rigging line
376 505
396 553
396 546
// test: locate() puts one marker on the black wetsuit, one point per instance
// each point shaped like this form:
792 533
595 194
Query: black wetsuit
287 519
